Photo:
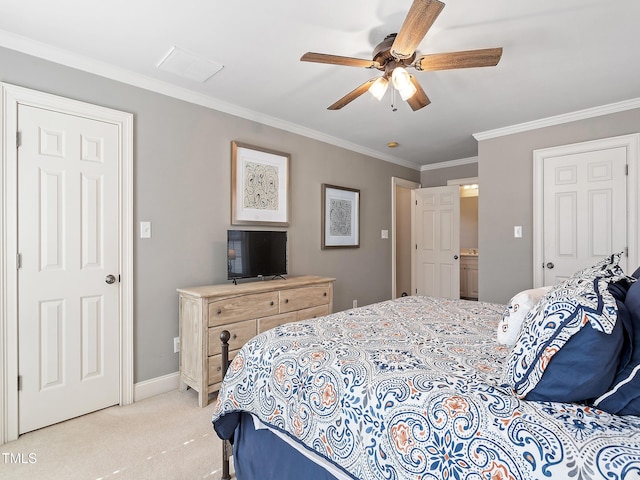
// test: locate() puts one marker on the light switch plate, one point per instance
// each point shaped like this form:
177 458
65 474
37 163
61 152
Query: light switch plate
517 231
384 233
145 229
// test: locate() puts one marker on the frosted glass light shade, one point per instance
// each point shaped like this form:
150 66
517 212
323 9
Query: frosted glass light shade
400 78
379 88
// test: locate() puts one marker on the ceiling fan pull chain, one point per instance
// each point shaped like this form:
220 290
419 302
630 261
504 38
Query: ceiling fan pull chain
393 100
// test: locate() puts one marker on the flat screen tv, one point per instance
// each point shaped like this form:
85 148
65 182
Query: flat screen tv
256 254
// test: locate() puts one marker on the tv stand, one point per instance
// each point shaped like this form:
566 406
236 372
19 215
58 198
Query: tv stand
244 310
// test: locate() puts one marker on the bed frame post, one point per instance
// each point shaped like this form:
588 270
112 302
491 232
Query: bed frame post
227 451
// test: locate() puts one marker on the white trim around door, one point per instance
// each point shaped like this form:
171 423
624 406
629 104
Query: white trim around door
11 97
632 145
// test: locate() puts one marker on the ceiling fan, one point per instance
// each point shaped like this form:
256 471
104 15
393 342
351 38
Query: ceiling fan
397 52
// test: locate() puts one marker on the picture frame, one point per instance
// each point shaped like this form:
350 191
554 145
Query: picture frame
260 180
340 217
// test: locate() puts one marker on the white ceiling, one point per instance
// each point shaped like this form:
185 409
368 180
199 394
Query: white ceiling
559 57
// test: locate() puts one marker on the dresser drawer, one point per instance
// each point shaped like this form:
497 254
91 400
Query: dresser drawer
313 312
215 367
299 298
268 323
241 333
243 307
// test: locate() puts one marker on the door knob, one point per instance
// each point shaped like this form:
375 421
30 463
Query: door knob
550 265
455 257
110 279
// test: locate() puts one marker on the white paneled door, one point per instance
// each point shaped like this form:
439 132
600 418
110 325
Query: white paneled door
584 210
436 235
68 294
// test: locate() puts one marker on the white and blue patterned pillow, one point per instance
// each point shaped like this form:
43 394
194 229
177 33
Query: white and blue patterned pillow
583 304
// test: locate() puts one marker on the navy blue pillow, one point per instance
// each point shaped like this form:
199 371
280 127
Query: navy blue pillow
619 292
636 274
571 376
623 397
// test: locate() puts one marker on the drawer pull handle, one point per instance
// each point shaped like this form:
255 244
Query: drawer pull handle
219 311
286 300
235 336
325 294
272 303
219 368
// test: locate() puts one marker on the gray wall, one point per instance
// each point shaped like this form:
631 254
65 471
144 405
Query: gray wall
403 241
439 176
506 186
469 222
182 185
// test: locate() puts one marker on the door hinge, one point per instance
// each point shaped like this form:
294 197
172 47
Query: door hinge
626 169
18 261
19 382
18 139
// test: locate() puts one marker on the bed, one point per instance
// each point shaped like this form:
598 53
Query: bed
419 388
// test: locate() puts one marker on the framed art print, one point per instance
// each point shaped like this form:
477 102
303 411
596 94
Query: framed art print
259 186
340 217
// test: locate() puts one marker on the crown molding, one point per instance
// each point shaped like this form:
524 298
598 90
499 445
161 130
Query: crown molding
560 119
450 163
79 62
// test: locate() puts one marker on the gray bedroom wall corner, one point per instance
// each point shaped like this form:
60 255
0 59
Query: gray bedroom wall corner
505 169
182 161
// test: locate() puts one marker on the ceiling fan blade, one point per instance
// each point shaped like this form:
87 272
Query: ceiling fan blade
486 57
338 60
351 96
419 99
417 23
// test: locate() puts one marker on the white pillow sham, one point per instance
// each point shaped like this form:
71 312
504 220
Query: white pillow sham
517 309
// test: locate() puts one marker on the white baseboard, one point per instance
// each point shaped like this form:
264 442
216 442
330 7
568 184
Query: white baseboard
156 386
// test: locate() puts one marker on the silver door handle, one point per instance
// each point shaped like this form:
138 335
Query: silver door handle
550 265
110 279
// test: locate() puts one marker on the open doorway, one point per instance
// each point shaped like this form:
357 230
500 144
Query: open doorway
401 236
469 196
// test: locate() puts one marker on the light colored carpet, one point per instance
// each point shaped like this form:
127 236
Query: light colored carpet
164 437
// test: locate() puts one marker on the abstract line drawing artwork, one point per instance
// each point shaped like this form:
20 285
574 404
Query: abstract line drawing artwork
340 218
261 186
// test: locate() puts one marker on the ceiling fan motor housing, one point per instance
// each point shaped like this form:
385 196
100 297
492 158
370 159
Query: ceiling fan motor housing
382 55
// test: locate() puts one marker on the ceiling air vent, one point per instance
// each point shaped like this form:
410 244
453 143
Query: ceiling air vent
189 65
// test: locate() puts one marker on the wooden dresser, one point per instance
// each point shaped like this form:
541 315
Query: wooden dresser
244 310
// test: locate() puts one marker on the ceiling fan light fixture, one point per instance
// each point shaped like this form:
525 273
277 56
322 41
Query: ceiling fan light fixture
397 52
400 78
379 87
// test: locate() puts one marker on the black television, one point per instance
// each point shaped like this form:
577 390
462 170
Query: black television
256 254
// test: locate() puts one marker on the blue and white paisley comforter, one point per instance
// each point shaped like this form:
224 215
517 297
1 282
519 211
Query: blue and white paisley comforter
411 389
